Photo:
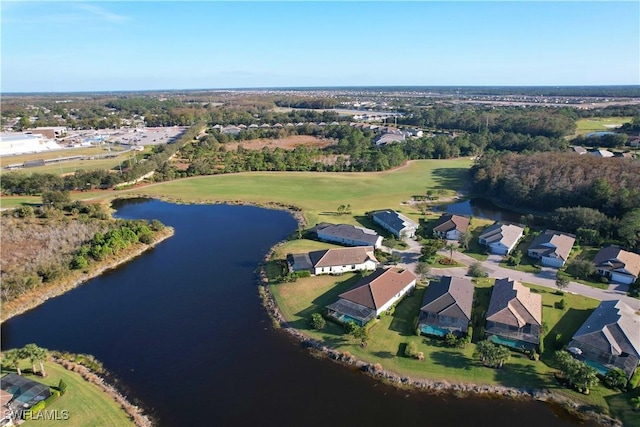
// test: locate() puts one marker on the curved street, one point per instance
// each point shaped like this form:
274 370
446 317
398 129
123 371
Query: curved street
546 277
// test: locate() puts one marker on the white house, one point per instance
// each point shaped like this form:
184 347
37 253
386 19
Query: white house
398 224
552 248
372 295
334 261
349 235
618 265
501 238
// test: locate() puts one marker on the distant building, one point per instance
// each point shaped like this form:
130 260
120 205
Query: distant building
51 132
578 149
601 153
21 143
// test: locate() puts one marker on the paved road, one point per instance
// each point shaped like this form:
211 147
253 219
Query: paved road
546 277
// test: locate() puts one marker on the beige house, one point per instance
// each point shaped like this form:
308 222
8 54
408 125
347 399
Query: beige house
618 265
501 238
552 248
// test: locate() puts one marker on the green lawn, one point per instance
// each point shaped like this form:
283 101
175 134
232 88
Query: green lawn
389 336
595 124
86 404
319 194
48 155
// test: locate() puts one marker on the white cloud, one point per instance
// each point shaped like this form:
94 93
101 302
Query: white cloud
102 14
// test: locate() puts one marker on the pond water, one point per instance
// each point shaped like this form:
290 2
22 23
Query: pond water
183 330
482 209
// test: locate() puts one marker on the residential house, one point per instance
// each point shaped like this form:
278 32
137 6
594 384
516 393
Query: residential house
609 338
514 316
552 248
372 295
389 138
347 234
24 392
618 265
451 226
334 261
601 153
396 223
446 307
501 238
578 149
231 130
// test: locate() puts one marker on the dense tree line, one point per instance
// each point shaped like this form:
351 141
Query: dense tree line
546 181
311 103
535 122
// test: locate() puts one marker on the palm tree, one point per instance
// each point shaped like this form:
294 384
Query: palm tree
450 247
41 355
13 358
30 351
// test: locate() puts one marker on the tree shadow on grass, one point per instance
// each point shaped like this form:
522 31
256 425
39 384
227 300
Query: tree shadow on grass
385 354
568 324
405 313
452 359
449 178
521 375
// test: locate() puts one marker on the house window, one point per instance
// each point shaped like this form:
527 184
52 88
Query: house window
353 267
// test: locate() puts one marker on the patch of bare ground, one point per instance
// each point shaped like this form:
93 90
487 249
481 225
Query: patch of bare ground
288 143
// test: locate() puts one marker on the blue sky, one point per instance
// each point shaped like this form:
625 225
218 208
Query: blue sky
90 46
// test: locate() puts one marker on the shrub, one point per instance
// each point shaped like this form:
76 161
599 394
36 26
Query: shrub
34 410
62 386
477 270
562 304
616 379
317 321
411 349
303 273
450 340
559 343
79 262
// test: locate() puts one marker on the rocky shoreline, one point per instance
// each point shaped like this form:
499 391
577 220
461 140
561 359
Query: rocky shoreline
419 384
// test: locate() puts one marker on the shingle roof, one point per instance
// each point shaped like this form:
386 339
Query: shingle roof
451 296
551 242
351 232
507 234
448 222
379 287
613 327
615 259
513 304
342 256
395 220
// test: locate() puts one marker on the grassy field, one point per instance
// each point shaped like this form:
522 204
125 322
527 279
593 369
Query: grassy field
597 124
389 336
86 403
320 194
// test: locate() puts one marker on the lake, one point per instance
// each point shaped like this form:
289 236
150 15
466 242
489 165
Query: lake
182 329
482 209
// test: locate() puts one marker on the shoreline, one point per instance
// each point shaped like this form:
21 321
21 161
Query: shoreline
40 295
426 385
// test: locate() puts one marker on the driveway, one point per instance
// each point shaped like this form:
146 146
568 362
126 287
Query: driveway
546 277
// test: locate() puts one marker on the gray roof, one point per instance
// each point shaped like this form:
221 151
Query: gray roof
613 328
513 304
300 262
351 232
451 296
551 242
507 234
613 258
395 220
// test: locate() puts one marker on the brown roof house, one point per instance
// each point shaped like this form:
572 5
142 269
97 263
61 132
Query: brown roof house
451 226
514 316
618 265
446 307
552 248
334 261
609 338
372 295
